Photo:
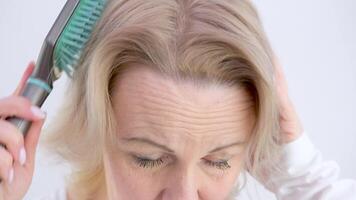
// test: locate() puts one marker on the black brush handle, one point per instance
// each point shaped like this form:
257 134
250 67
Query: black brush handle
37 95
38 86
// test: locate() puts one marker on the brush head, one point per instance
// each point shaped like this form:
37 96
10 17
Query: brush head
76 33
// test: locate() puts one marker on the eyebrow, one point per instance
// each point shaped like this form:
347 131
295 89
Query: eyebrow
161 146
150 142
239 143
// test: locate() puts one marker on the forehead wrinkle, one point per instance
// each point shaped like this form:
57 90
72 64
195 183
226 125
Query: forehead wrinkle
171 102
160 103
161 111
147 90
152 83
162 118
169 130
166 137
157 95
166 115
152 108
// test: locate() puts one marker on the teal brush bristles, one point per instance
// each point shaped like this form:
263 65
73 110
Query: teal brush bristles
60 51
76 34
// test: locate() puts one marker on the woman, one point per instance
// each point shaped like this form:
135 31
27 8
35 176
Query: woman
173 99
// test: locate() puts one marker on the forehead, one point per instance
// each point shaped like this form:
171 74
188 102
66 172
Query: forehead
145 101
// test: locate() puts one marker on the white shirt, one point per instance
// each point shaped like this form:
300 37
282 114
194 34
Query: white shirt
306 176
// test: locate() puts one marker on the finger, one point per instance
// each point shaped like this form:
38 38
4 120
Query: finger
19 107
5 165
281 85
31 141
27 73
279 75
12 138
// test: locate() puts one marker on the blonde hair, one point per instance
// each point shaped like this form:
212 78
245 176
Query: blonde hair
215 40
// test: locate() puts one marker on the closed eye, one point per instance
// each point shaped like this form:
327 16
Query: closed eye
148 163
220 164
153 163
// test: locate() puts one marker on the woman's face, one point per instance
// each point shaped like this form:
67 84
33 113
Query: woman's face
176 140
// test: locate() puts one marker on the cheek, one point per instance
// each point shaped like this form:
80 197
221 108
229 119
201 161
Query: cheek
124 182
222 186
127 181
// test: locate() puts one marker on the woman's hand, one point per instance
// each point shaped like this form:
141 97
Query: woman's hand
290 125
18 156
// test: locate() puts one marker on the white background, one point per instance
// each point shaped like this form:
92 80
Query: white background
315 41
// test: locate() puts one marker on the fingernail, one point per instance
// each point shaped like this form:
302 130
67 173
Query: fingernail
11 175
22 156
38 112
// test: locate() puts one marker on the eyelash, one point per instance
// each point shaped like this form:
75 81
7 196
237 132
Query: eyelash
149 163
222 164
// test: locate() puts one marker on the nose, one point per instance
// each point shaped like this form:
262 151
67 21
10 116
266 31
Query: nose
181 185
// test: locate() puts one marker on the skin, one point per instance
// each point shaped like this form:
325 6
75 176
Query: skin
291 126
187 127
14 141
184 174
